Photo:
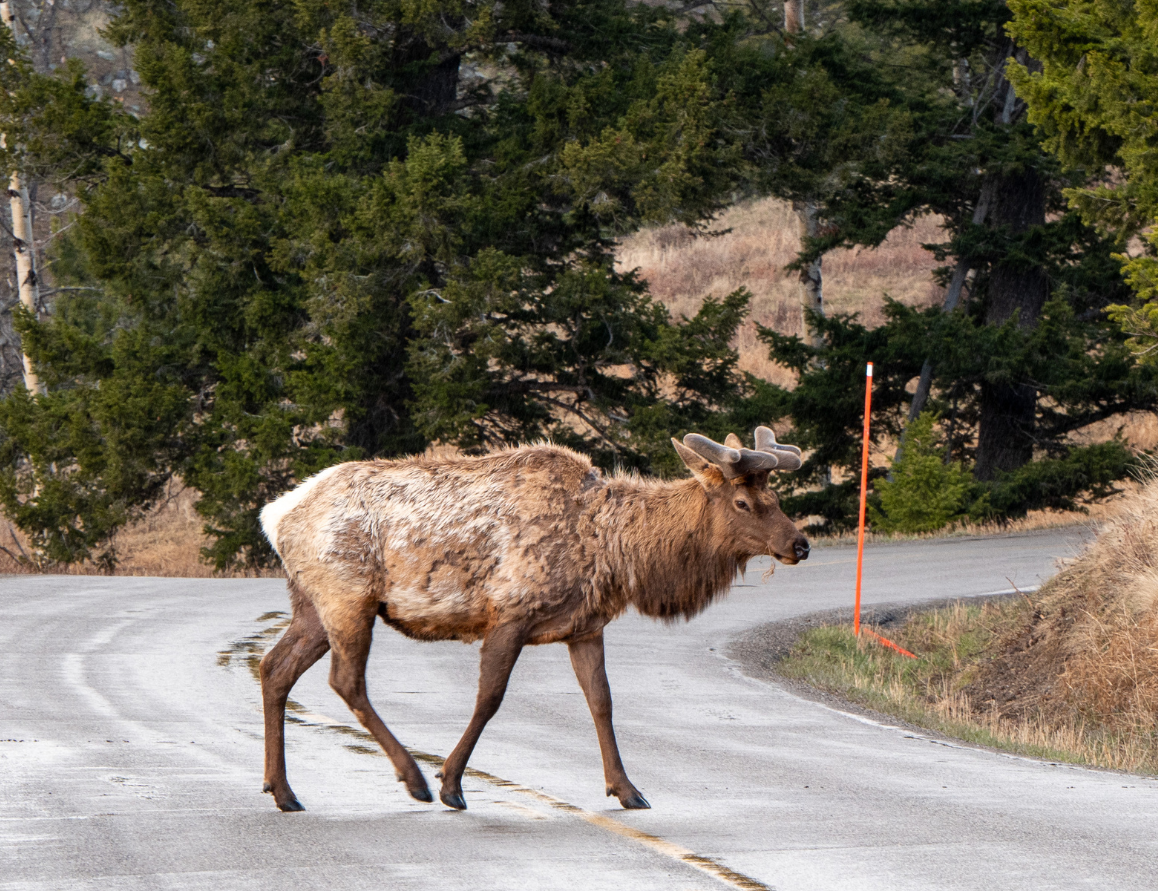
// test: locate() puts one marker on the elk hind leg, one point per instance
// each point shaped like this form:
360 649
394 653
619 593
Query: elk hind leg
587 660
348 679
500 651
303 644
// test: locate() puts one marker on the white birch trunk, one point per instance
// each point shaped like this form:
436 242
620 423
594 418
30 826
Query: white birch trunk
22 238
794 16
807 213
25 275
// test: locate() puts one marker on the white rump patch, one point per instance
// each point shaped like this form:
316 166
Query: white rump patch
274 512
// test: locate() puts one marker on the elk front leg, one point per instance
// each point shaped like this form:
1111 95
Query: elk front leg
303 644
500 651
348 679
587 660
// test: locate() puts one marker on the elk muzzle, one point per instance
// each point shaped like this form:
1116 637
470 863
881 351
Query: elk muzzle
798 550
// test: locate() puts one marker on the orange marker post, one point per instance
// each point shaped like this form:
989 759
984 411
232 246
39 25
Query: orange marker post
884 641
864 465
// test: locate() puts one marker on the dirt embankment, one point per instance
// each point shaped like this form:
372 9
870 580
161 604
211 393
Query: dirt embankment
1086 649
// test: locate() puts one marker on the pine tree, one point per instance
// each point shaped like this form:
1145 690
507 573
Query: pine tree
347 230
1092 96
923 493
1021 356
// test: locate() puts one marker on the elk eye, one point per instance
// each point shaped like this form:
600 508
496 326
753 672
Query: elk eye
741 504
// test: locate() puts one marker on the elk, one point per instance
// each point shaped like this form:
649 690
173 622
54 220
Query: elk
530 545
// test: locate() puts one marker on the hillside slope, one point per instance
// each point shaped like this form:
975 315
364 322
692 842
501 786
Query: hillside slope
758 239
1085 650
1068 673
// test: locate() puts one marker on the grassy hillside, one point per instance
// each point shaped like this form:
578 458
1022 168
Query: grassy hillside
1068 673
759 239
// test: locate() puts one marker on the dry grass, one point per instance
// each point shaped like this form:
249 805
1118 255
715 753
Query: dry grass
1033 521
924 692
762 238
1093 514
166 542
1069 673
1089 652
681 269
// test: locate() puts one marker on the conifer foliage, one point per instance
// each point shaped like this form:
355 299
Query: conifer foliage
924 492
348 230
345 230
1021 355
1094 98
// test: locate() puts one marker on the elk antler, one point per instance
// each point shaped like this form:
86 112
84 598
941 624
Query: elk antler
789 455
733 463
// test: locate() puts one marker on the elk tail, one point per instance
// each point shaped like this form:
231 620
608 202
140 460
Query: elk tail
275 512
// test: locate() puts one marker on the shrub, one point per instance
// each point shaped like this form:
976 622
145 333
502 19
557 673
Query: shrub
923 493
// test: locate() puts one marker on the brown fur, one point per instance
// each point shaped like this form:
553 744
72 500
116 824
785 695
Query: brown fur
526 546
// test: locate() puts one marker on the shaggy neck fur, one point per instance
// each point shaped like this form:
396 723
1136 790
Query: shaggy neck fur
658 549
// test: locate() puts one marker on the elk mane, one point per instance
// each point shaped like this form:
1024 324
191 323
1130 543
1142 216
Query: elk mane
659 552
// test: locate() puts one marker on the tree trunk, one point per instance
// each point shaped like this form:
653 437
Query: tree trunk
808 216
1006 435
431 89
952 298
25 276
1014 203
22 238
811 279
436 92
794 16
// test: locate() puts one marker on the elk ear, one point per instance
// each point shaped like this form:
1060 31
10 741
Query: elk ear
733 441
703 470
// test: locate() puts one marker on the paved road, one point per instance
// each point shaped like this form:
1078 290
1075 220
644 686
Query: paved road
130 756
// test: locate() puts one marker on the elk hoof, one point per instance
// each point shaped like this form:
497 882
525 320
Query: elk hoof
635 802
287 803
453 799
421 794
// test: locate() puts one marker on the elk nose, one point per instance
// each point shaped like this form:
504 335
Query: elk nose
802 549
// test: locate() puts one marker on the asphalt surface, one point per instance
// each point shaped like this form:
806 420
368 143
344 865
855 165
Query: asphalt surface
131 755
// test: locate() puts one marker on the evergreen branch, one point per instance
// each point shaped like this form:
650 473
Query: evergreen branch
536 41
471 102
13 557
1077 422
16 541
771 26
555 387
996 75
232 191
48 292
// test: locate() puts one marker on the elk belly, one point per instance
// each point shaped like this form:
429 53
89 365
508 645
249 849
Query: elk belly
436 598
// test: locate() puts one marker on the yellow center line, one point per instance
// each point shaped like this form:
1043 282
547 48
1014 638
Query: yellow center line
714 868
298 714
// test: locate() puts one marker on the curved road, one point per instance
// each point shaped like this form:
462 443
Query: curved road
130 755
